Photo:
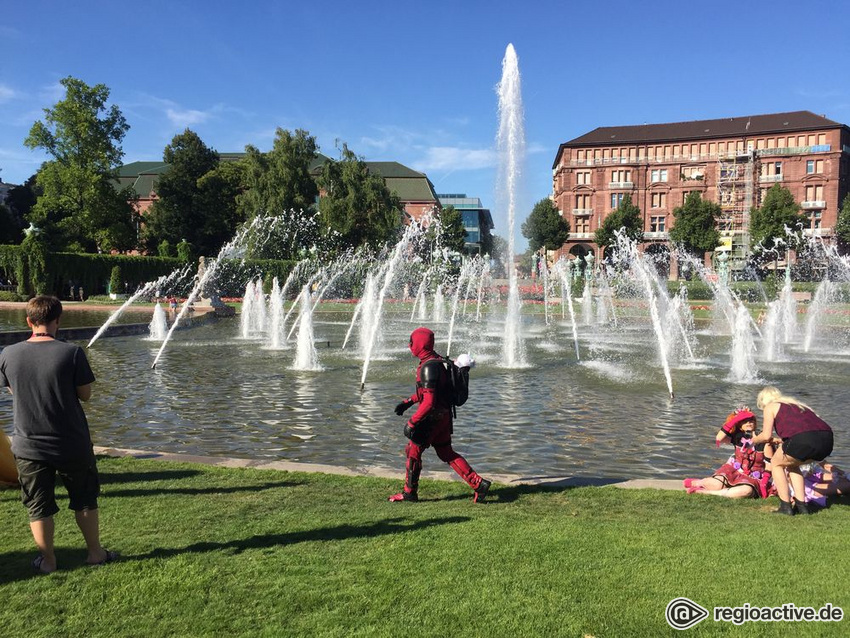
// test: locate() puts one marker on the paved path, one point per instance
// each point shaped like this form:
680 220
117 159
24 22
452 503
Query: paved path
385 472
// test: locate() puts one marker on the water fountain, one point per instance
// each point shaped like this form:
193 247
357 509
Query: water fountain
158 327
511 145
532 402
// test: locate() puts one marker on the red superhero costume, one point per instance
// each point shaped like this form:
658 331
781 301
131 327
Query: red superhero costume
431 425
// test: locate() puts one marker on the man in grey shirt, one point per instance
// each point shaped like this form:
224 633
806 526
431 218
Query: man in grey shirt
48 379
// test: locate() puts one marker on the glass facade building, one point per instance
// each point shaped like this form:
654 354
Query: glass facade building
477 220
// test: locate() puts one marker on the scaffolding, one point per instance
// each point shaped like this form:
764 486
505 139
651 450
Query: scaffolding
735 196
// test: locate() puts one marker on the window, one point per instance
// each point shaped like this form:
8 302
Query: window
616 200
693 172
814 166
583 201
815 219
581 225
582 177
821 139
777 168
659 175
659 200
621 176
814 193
656 223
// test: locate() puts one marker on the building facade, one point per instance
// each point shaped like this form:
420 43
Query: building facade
413 188
731 161
477 221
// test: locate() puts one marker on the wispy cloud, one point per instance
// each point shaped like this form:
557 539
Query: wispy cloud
7 93
187 117
177 114
51 93
453 158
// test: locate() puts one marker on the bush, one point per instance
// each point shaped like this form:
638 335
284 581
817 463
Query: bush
165 249
8 295
115 283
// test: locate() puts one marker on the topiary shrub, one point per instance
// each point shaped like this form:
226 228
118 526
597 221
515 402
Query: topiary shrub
115 282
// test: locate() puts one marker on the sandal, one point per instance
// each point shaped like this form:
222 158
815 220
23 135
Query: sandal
110 557
37 562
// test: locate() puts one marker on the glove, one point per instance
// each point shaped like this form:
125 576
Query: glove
401 407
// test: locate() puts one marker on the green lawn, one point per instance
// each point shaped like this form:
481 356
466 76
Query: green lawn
236 552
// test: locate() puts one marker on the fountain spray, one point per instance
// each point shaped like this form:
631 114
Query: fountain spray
511 144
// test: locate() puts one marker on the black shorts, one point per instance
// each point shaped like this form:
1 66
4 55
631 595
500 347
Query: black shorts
809 446
38 486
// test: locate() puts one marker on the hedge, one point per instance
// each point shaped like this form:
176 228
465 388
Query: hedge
93 272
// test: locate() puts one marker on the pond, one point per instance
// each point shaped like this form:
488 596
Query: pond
608 415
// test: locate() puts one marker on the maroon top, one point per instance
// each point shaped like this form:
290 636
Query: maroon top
791 420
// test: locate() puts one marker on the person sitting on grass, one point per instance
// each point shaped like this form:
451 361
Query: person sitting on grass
824 479
747 472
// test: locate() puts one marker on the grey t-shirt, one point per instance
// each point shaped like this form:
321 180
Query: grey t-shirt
50 424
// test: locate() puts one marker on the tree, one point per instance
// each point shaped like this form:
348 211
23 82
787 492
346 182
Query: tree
356 204
452 231
195 198
768 223
500 254
19 202
695 226
79 207
626 217
842 226
545 226
280 180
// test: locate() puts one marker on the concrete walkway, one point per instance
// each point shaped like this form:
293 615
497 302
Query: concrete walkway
393 473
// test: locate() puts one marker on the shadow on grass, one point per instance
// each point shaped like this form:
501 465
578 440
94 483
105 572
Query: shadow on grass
111 493
501 493
336 533
16 565
133 477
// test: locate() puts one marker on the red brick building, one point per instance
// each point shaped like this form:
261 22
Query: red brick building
732 161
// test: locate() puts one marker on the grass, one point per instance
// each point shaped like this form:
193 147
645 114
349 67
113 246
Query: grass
240 552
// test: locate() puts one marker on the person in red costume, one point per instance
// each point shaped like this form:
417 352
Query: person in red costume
431 424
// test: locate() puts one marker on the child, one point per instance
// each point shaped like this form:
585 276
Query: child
824 479
747 473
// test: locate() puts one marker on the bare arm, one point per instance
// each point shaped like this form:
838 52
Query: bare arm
84 392
766 433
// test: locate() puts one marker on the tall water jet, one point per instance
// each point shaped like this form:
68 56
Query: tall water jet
823 297
627 249
277 313
396 257
439 305
743 364
246 315
230 249
158 326
511 145
306 357
562 268
485 272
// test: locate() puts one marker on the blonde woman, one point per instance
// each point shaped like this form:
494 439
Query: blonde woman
805 438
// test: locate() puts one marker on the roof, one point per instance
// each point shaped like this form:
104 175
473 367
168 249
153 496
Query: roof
409 185
746 126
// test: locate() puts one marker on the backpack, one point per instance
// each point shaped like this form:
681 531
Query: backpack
459 378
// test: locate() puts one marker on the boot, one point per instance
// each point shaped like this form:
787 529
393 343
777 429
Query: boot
411 497
481 491
803 508
785 508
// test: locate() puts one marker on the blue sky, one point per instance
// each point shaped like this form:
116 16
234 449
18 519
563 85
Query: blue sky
414 82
